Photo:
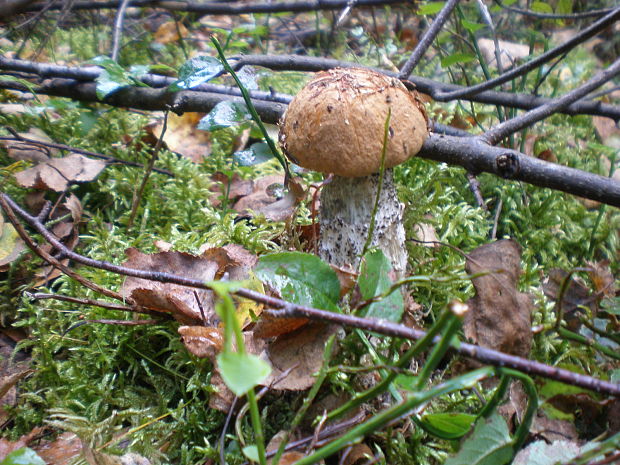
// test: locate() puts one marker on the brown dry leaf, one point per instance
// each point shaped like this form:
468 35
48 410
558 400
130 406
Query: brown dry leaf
426 234
553 429
6 446
183 137
235 188
291 457
269 326
180 301
222 397
202 341
170 32
301 350
269 198
510 52
57 173
63 451
94 457
287 458
357 454
576 295
26 151
602 278
607 131
499 316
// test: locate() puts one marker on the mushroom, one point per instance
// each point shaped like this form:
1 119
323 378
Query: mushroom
336 124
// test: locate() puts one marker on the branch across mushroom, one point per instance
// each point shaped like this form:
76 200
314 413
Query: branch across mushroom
336 125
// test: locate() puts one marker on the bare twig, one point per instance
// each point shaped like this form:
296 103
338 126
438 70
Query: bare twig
98 303
226 8
282 308
427 39
535 14
509 127
578 39
118 29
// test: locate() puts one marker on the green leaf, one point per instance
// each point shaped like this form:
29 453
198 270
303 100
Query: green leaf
258 153
541 7
241 372
301 278
470 26
112 78
196 71
224 115
448 425
564 7
431 8
23 456
374 280
490 444
251 452
456 58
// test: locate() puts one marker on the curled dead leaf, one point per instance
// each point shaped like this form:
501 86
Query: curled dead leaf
57 173
202 341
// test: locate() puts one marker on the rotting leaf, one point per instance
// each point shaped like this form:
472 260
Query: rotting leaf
11 245
57 173
499 316
234 187
62 451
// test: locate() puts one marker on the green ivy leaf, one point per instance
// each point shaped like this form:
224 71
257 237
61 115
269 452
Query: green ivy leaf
258 153
241 372
301 278
224 115
23 456
196 71
448 425
456 58
490 444
431 8
374 280
113 77
541 7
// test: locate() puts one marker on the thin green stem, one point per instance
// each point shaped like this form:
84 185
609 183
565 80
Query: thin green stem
498 395
378 421
418 347
259 437
251 108
532 405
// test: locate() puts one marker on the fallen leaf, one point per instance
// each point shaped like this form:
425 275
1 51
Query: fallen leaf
302 351
607 131
63 451
180 301
183 137
202 341
270 326
169 32
57 173
269 198
6 446
234 188
541 453
18 150
510 52
499 316
357 454
602 278
576 295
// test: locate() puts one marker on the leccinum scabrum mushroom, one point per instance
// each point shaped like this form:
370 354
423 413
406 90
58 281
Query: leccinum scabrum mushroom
336 125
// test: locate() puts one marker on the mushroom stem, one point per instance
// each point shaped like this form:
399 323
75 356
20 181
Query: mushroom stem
345 215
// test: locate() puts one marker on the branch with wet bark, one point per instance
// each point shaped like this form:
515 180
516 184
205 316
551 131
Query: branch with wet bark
468 152
431 87
281 308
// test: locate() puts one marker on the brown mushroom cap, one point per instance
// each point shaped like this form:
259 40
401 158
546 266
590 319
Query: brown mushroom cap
336 123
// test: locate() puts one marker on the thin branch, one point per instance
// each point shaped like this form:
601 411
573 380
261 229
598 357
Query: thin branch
95 303
282 308
535 14
509 127
305 63
225 8
427 39
471 154
118 29
525 68
68 148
